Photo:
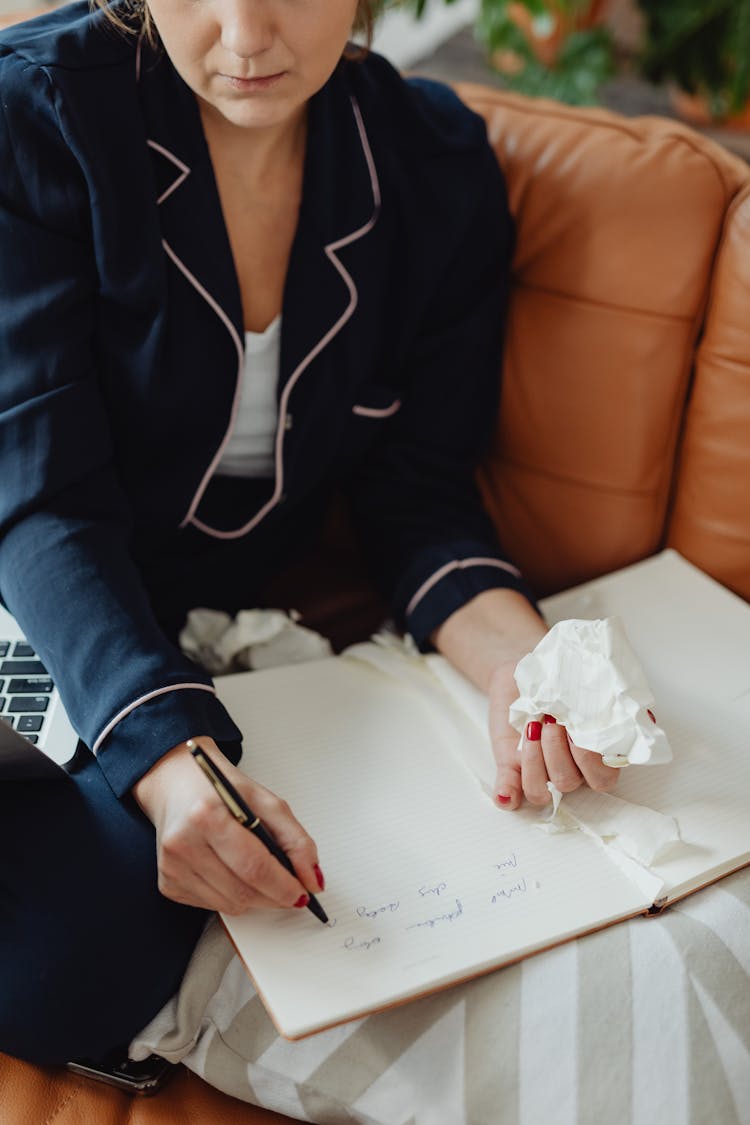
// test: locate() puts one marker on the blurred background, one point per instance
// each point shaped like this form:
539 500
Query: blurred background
671 57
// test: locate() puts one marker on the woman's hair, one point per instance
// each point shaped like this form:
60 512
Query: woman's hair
365 18
138 19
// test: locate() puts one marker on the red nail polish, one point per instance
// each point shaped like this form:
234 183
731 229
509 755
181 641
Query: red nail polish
502 799
302 901
533 731
550 719
651 715
319 877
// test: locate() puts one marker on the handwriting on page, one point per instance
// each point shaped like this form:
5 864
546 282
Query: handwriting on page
503 883
427 881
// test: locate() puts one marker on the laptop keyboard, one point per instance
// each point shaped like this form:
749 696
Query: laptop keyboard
25 689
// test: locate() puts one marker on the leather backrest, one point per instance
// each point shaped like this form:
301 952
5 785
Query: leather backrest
618 226
711 518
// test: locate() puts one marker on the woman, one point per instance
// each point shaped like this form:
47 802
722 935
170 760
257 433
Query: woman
240 268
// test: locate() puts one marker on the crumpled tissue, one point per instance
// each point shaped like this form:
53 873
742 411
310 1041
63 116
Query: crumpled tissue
587 676
255 638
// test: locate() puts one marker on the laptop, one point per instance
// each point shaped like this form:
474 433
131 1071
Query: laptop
36 735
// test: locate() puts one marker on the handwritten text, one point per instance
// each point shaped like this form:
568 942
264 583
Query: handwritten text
509 861
449 916
518 888
369 912
352 943
438 889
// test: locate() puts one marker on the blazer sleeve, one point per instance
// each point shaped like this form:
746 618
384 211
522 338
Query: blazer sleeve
66 572
415 501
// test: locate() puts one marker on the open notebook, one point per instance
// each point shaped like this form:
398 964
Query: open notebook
384 758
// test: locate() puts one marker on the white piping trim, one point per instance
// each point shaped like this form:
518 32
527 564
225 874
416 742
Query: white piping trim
461 564
185 171
330 251
143 699
373 412
238 384
138 58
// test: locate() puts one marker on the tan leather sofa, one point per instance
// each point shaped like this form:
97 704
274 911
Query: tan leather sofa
624 424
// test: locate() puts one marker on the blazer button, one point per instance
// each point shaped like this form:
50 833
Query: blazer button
288 422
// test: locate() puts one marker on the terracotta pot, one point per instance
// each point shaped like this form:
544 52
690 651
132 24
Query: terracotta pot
547 38
694 109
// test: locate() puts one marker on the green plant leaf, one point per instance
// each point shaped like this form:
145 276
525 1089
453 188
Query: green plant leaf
704 47
584 62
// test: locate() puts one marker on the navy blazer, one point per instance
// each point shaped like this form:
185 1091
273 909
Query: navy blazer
121 352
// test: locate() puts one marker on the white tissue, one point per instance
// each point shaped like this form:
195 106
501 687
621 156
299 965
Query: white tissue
255 638
633 836
586 675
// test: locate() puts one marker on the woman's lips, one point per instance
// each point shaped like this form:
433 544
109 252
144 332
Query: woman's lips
249 85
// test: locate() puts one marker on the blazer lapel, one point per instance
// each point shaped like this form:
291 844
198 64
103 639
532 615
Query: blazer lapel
204 341
189 208
341 202
328 268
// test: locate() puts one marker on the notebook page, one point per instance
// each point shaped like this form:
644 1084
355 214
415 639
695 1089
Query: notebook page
693 640
427 882
637 831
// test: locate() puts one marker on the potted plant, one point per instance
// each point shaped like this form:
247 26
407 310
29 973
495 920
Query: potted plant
704 49
552 48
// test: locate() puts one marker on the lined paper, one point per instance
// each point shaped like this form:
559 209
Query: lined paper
428 883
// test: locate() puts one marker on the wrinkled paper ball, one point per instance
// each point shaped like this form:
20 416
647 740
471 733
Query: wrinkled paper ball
587 676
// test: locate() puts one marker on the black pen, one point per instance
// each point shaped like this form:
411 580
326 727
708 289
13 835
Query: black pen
248 819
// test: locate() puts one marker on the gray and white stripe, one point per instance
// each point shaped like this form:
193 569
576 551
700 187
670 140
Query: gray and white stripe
647 1021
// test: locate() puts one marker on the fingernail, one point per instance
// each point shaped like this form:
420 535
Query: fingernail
550 719
533 731
502 799
319 877
651 715
302 901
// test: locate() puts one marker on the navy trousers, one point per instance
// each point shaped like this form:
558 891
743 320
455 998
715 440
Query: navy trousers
89 948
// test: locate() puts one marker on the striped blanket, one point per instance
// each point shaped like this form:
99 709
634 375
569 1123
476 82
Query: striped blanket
647 1021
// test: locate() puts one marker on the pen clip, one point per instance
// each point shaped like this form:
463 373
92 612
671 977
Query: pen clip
237 812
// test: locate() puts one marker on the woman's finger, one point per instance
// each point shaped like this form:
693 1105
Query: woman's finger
254 867
561 767
290 835
250 861
208 858
533 768
595 773
192 865
508 788
191 889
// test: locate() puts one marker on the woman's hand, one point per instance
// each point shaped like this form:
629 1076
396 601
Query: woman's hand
485 639
547 753
205 857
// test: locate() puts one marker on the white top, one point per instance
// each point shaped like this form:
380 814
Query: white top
250 449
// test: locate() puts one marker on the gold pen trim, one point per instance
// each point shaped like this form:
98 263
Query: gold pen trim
223 792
